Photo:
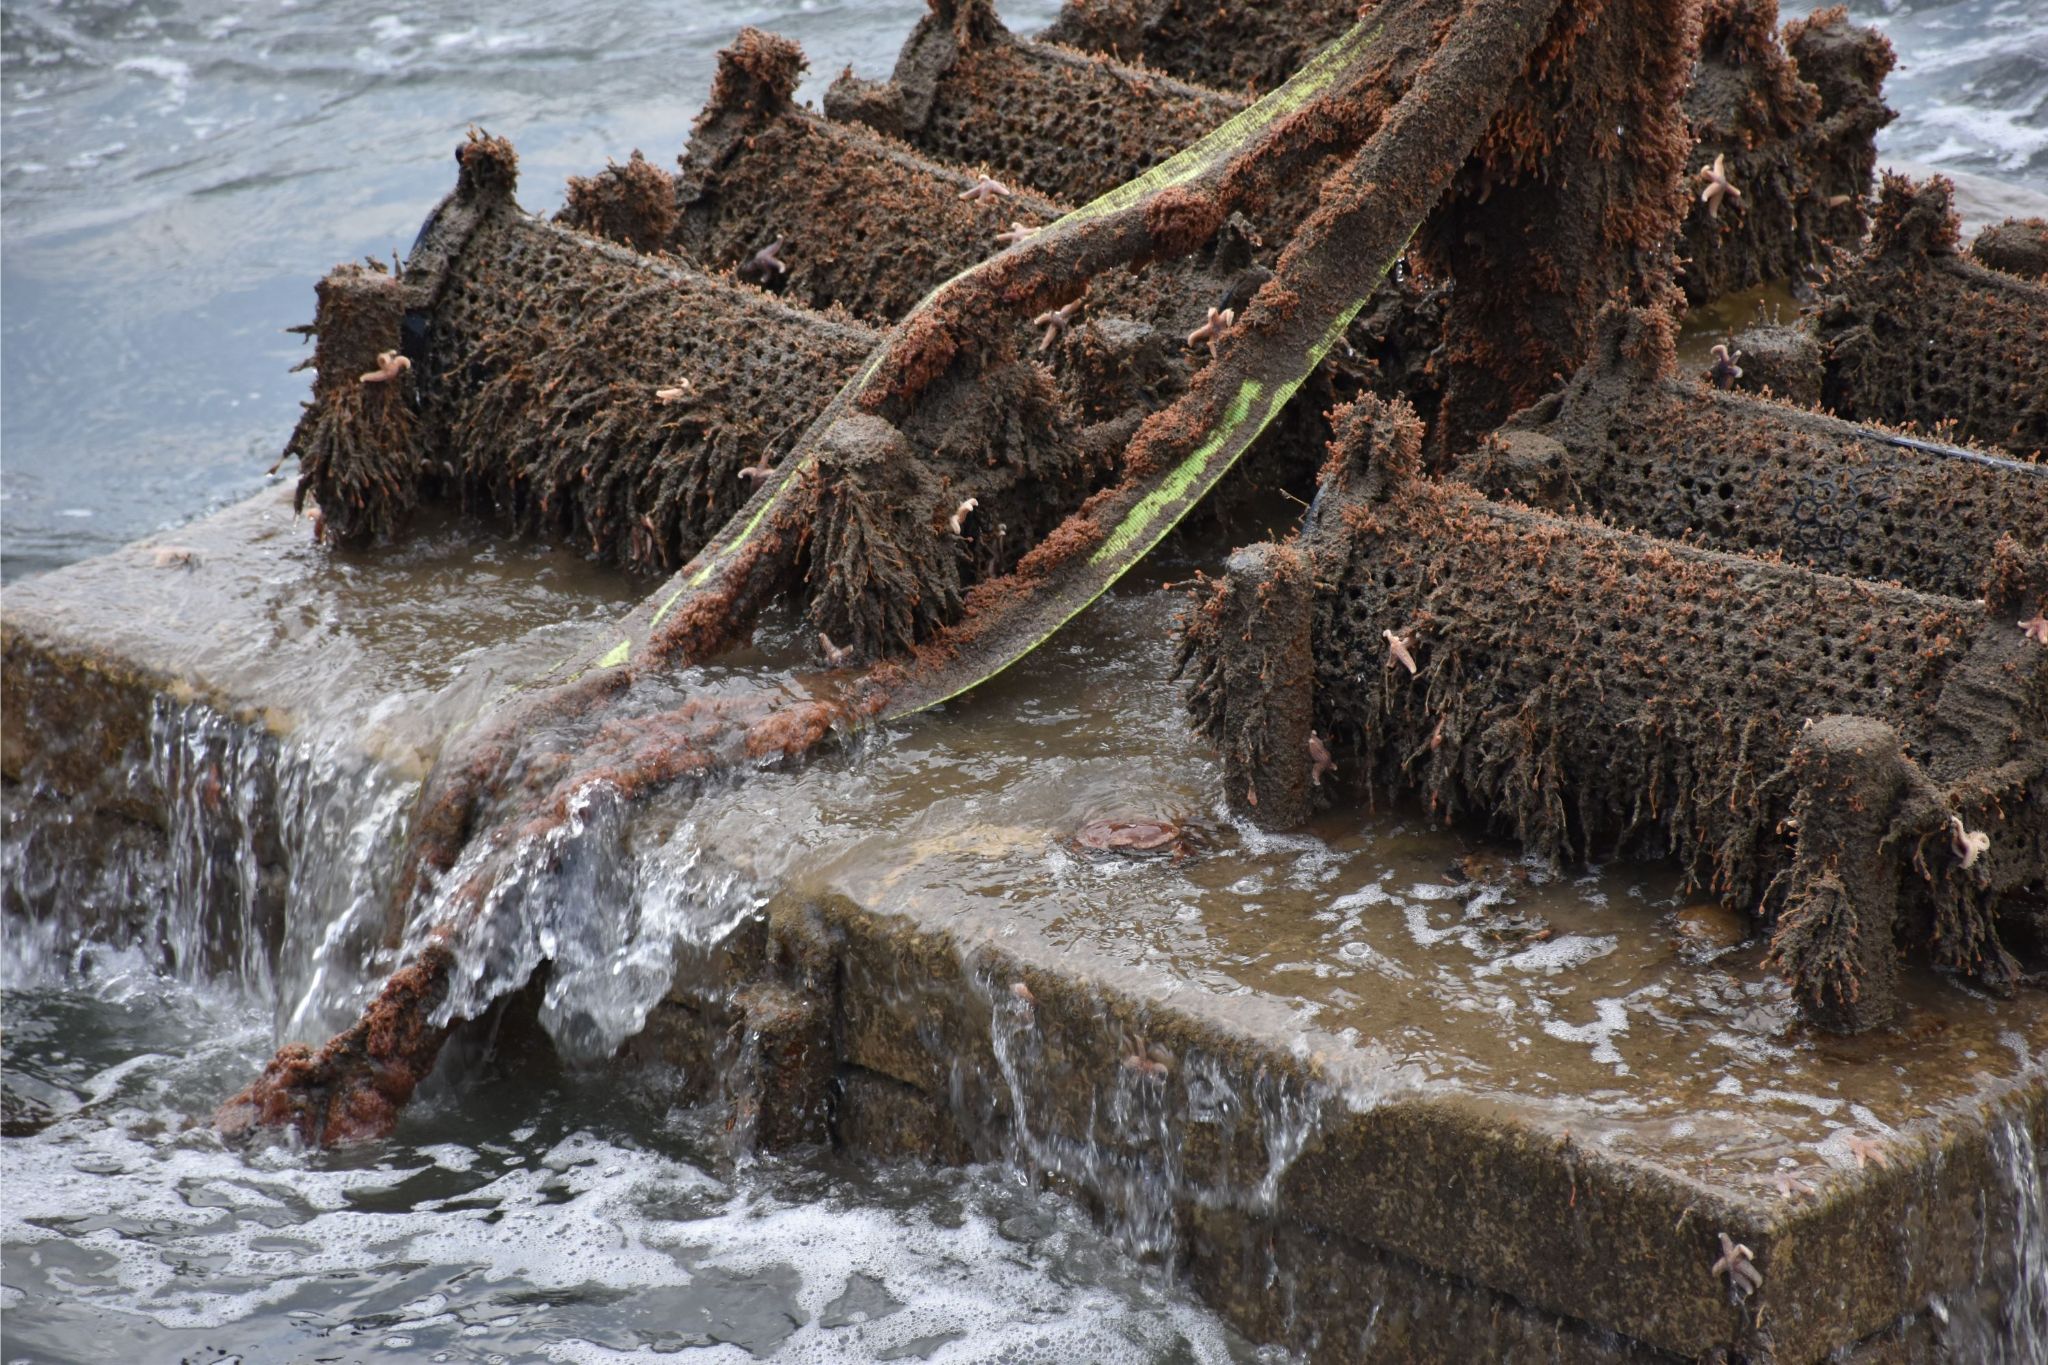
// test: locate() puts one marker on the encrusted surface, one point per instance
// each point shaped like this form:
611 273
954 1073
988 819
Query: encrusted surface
1916 333
1595 693
1787 125
1063 123
1632 443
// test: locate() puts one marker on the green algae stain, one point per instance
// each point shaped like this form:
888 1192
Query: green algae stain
1175 485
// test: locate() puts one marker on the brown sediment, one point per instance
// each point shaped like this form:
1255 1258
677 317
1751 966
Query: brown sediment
1597 693
633 205
359 445
1635 444
1916 333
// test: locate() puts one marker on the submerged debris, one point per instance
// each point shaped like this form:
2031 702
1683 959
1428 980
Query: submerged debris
633 204
1851 761
1915 332
867 486
1783 155
360 447
1594 693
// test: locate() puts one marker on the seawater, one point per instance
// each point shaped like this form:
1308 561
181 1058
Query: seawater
175 177
560 1217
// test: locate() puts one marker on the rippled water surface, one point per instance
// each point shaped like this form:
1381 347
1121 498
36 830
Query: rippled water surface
555 1217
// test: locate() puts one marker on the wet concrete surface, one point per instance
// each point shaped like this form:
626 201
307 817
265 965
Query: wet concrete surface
1399 1053
243 611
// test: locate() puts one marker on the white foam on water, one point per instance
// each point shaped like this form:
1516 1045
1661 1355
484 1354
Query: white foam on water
1553 955
176 75
585 1213
1610 1020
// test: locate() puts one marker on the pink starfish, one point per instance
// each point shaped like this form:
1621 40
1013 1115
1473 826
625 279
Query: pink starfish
1726 371
1735 1263
1864 1149
765 263
837 656
1718 185
985 189
1218 326
1397 651
390 365
2036 628
1319 759
959 517
1055 322
1017 233
1969 843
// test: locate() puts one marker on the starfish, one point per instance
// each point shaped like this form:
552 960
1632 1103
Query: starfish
1726 371
674 393
1865 1149
838 656
1153 1062
765 263
1218 326
985 189
2036 628
390 365
174 557
1736 1263
1017 233
1023 994
960 514
1055 322
1319 759
1397 651
1969 844
754 473
1718 185
1791 1187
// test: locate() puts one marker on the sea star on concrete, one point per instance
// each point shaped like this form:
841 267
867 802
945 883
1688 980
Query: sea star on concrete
1737 1263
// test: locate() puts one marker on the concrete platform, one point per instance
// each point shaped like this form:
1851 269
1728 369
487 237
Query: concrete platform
1382 1093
